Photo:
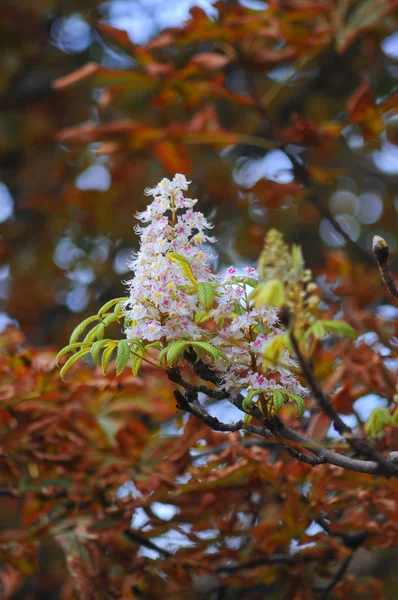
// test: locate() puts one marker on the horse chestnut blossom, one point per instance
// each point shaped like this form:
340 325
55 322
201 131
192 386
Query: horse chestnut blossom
175 297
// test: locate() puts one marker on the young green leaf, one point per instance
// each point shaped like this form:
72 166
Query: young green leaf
184 264
96 349
69 348
206 295
109 319
176 349
277 400
77 332
96 333
270 293
273 352
106 357
377 422
215 353
201 317
122 356
72 360
104 309
163 354
340 328
299 402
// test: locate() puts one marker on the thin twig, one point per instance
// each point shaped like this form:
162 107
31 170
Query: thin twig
136 537
341 571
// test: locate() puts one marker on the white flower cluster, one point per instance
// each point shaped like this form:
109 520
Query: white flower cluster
163 301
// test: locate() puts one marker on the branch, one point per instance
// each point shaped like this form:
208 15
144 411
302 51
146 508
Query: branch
381 254
341 571
387 467
143 541
266 560
274 429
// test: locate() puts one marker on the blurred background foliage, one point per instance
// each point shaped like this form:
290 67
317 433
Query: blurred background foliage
237 100
283 114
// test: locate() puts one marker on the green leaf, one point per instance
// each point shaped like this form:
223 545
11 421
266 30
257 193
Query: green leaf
273 352
162 354
108 305
271 293
72 360
205 294
318 330
340 328
122 356
175 351
201 317
77 332
183 264
250 281
96 349
277 400
299 402
69 348
96 333
109 319
214 352
106 357
377 422
136 361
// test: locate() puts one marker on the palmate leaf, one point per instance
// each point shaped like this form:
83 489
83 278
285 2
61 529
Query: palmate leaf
72 360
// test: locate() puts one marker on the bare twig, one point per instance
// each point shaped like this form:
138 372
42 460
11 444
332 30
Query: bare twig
341 571
140 539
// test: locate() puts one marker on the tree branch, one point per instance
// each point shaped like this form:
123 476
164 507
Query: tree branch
387 467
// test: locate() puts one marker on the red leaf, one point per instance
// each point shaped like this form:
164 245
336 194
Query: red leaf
173 157
87 71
